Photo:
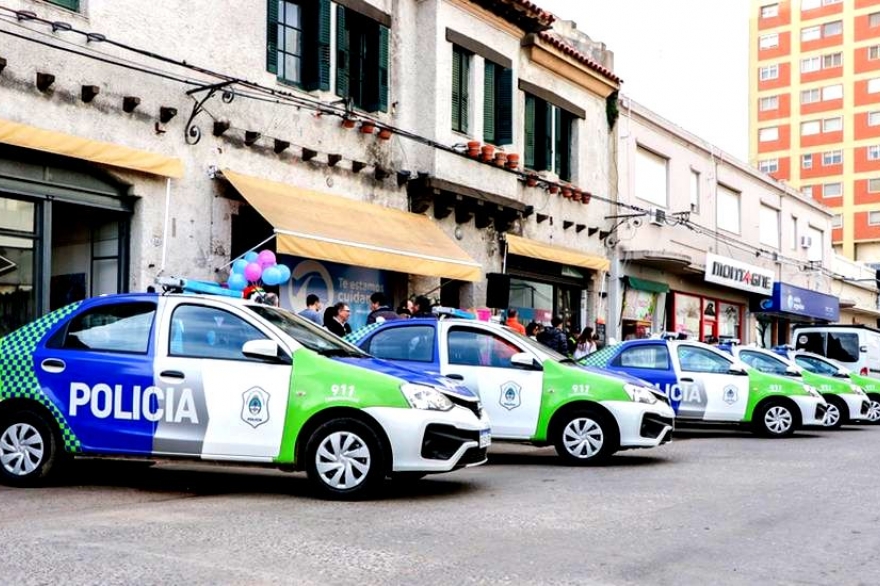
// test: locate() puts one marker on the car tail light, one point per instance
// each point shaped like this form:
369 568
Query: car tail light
864 371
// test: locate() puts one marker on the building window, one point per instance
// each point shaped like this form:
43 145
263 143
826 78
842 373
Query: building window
810 96
807 161
768 41
810 128
873 118
832 124
832 92
873 185
298 43
768 134
874 19
769 72
874 52
830 29
461 82
548 137
769 103
652 177
69 4
810 64
807 191
497 104
817 240
810 4
837 221
770 11
832 190
695 191
727 212
874 85
794 232
361 60
811 33
874 218
874 152
768 166
832 60
769 227
832 158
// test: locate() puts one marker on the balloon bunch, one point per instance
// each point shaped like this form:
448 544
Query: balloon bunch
254 267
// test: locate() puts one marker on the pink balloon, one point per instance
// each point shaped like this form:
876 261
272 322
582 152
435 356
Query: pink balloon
266 258
253 272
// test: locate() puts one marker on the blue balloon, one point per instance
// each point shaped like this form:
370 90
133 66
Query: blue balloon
285 274
271 275
251 257
237 282
238 266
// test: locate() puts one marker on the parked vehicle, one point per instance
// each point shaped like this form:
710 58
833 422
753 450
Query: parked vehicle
532 394
705 384
847 402
853 346
220 379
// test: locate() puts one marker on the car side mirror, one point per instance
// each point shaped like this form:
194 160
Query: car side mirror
738 370
265 350
525 360
792 371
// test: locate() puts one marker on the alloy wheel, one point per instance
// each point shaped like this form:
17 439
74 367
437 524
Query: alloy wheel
778 419
21 449
874 411
832 416
583 438
343 460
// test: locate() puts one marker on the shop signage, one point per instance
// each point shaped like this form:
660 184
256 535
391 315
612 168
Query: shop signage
788 299
738 275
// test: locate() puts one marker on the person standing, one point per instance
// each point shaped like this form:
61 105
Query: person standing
312 312
338 322
513 322
585 344
380 310
553 337
422 307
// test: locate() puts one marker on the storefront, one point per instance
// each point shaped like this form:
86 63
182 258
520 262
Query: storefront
788 304
644 302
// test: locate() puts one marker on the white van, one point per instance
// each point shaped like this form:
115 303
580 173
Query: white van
856 347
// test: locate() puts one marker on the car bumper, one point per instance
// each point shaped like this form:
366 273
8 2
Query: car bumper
642 425
812 409
433 441
857 406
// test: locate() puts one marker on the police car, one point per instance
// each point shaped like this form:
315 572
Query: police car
531 393
219 379
707 385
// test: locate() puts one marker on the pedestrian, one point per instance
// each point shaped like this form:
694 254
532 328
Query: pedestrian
585 344
338 322
313 309
553 337
533 329
513 322
422 307
380 311
403 312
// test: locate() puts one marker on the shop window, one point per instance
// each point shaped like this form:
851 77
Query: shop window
118 327
409 344
461 78
729 321
497 104
548 137
206 332
694 359
654 357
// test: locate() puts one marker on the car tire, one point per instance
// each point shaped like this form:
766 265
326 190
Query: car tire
30 453
836 415
585 437
874 409
775 419
344 459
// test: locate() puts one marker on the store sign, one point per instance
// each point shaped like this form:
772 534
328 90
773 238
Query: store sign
793 300
738 275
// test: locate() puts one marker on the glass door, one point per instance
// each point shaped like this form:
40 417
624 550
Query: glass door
19 245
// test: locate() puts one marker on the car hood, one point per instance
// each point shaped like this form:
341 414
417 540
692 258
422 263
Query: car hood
411 375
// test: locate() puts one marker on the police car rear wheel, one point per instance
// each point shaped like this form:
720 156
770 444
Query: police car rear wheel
585 438
776 420
874 409
344 459
834 417
28 449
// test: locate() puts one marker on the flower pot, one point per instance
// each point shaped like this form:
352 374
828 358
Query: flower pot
474 145
512 161
576 194
368 127
553 189
488 152
384 134
532 180
348 123
585 197
566 191
500 159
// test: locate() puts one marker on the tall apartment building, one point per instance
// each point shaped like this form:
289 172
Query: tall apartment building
814 101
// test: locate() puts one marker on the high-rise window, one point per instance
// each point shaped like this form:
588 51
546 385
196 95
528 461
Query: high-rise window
768 103
768 165
807 161
874 218
874 152
832 158
811 127
832 92
874 85
811 33
837 221
873 118
769 72
770 11
832 124
768 134
768 41
874 19
811 96
874 185
873 52
832 189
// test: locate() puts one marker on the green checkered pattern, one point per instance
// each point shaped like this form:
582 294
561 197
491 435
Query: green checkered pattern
600 358
359 334
18 378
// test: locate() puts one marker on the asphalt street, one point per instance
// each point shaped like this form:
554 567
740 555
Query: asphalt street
713 507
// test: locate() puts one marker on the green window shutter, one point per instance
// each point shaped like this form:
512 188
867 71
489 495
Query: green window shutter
465 98
272 36
456 89
529 132
489 103
504 106
71 4
563 144
316 45
543 127
342 54
384 40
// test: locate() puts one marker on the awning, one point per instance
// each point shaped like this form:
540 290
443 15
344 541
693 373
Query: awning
558 254
328 227
105 153
647 285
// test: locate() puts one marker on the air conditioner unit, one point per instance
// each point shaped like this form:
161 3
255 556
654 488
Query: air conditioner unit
806 241
657 216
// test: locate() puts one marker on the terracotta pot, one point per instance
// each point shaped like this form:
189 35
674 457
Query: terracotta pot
532 180
488 152
384 134
474 145
566 191
576 194
348 123
368 127
512 161
500 159
585 197
553 189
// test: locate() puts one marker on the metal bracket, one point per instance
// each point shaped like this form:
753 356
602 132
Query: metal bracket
192 133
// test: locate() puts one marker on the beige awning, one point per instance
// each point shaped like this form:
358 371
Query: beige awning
105 153
559 254
328 227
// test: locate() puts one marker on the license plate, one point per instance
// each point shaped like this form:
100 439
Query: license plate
485 438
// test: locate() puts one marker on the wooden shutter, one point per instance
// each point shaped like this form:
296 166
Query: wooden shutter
529 132
384 39
563 144
544 120
272 36
342 53
71 4
504 106
456 88
489 103
316 56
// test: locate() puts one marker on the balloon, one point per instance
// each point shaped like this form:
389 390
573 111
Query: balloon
239 265
251 257
237 282
266 258
271 275
253 272
285 274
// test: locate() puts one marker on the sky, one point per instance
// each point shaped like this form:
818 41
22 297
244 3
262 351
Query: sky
687 60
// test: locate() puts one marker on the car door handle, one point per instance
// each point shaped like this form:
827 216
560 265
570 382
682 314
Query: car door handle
687 380
455 376
53 365
175 374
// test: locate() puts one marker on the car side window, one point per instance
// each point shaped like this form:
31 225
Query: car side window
693 359
403 343
208 332
762 362
116 327
653 357
811 364
478 348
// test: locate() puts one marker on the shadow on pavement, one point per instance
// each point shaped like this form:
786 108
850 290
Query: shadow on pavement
548 457
728 432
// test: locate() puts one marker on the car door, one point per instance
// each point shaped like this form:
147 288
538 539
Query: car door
511 395
225 405
711 390
97 369
649 361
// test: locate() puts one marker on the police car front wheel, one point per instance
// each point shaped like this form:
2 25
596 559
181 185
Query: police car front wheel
874 409
585 437
345 459
775 419
29 451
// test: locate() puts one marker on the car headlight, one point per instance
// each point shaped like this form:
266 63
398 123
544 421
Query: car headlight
814 392
857 389
423 397
640 394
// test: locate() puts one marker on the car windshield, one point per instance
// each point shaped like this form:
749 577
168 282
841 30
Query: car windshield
817 365
307 333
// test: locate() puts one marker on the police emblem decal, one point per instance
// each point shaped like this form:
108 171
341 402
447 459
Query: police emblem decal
731 394
255 407
510 395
